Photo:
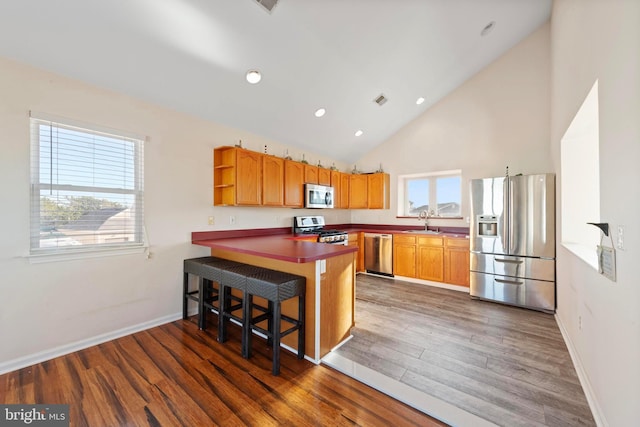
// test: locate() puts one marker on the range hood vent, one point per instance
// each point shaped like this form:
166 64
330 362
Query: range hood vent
267 4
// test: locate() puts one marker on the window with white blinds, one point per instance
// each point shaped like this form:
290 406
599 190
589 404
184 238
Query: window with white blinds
86 188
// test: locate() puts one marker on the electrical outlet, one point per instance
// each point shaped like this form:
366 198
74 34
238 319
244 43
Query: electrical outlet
232 220
580 323
211 220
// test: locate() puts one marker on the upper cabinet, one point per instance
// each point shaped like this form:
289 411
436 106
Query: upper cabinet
237 177
272 181
358 198
335 182
369 191
249 178
324 176
378 191
293 184
345 189
310 174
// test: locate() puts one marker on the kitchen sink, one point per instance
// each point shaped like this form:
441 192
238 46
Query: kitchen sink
421 231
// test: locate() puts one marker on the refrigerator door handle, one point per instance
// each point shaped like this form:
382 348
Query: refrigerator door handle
510 282
506 216
509 261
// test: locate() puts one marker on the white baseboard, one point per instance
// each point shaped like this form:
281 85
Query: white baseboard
582 376
32 359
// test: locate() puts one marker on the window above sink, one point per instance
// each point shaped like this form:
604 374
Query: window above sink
437 193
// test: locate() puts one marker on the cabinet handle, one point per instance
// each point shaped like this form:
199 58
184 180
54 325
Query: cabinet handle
509 261
510 282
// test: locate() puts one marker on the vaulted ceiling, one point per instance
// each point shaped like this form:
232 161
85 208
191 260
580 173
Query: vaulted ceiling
340 55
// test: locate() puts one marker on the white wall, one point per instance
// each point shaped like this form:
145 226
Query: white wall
498 118
52 307
600 39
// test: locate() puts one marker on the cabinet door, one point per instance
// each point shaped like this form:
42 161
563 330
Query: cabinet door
456 261
310 174
358 191
272 181
431 263
324 176
456 266
344 190
293 184
378 191
335 183
248 177
404 259
357 240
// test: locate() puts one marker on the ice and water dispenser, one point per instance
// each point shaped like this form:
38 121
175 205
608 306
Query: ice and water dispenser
487 225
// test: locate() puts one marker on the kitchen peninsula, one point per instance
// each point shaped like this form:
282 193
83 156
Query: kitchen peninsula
329 270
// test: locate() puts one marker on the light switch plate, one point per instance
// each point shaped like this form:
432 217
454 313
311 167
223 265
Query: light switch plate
620 242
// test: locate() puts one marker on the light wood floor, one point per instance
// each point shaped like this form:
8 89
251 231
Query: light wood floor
176 375
504 364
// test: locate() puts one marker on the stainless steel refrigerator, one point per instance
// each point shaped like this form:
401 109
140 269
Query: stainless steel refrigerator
513 241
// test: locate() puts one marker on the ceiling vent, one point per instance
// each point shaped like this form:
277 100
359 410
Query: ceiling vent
380 100
267 4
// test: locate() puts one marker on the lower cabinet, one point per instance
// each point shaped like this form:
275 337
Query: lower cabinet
404 255
357 239
456 261
434 258
430 259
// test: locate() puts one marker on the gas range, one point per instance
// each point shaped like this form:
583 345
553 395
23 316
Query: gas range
316 225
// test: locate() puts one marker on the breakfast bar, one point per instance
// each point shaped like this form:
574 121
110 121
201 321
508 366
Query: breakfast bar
330 280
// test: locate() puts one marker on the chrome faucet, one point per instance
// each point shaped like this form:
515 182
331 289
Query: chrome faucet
424 215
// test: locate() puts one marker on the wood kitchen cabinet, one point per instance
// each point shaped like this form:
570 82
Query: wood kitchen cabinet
324 176
293 184
237 177
310 174
404 255
430 258
249 178
378 190
272 181
456 261
357 239
335 182
344 190
358 198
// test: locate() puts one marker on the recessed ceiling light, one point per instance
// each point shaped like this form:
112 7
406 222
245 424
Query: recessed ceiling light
419 100
488 28
359 132
253 76
320 112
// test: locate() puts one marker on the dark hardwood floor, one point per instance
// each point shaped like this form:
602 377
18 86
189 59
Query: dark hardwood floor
176 375
504 364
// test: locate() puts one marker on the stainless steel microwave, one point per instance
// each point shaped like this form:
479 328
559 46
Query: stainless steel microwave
318 196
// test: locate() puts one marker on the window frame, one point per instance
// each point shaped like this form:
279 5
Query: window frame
65 252
432 177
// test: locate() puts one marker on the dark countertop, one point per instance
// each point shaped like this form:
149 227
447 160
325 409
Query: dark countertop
281 244
283 247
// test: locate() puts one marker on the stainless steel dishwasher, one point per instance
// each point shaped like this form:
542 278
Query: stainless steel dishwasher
378 253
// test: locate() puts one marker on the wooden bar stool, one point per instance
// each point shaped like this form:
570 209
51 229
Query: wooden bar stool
275 287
